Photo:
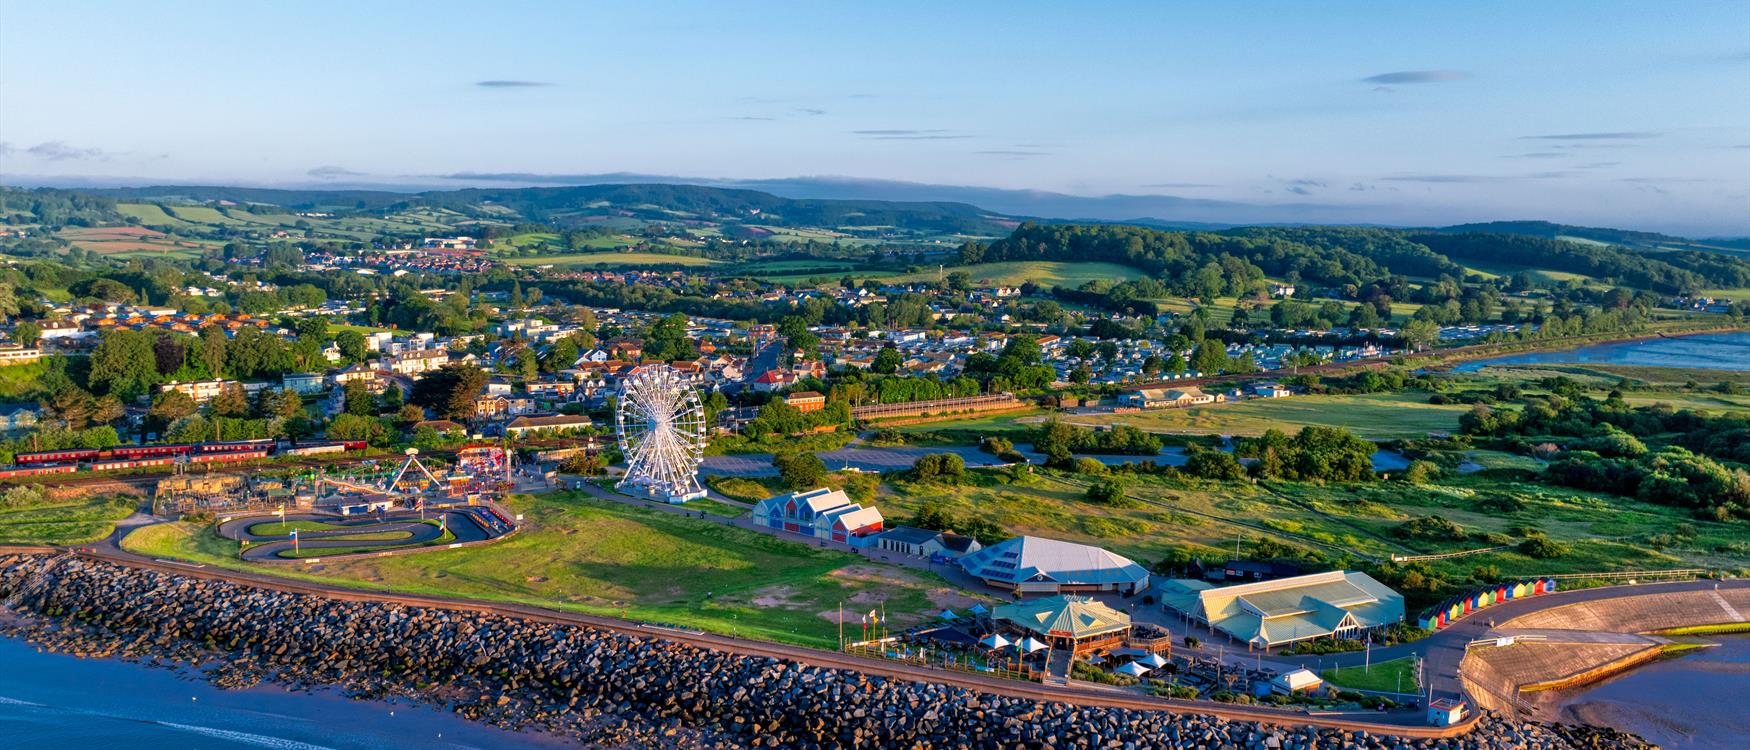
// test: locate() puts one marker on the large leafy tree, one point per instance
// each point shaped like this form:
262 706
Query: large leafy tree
667 339
123 364
450 390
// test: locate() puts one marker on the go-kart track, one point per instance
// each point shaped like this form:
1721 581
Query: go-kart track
267 538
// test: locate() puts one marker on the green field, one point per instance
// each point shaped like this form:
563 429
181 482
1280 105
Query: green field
63 521
1041 272
203 215
149 214
1397 675
1377 416
606 558
610 259
1497 270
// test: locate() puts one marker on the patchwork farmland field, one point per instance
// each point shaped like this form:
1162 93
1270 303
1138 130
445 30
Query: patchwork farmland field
130 242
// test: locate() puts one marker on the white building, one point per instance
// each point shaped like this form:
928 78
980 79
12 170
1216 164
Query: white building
1031 564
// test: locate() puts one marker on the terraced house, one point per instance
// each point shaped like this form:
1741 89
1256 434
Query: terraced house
821 513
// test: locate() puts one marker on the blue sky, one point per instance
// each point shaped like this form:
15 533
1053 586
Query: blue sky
1617 113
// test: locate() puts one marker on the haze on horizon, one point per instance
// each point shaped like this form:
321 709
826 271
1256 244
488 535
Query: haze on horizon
1633 115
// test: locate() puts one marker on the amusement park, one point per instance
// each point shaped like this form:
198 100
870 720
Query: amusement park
344 506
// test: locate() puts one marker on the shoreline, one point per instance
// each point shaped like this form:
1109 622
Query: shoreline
594 686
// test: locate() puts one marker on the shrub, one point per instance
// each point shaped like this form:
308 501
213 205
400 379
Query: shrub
1429 528
1421 472
1108 491
1542 548
1090 466
943 466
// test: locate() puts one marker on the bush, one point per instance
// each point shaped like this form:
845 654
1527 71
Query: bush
943 466
1421 472
1429 528
1542 548
1090 466
1107 492
997 446
1213 464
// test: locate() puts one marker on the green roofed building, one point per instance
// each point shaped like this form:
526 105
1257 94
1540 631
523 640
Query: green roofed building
1068 622
1339 603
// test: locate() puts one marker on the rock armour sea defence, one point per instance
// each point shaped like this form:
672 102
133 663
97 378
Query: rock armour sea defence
599 687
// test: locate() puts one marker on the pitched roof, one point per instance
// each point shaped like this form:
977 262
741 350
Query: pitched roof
1033 558
1074 616
1290 609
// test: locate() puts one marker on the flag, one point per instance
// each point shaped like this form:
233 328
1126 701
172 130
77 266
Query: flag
872 617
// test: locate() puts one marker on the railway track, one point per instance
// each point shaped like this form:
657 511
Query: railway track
810 656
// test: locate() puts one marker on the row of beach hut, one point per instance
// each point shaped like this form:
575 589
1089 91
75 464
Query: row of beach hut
1458 607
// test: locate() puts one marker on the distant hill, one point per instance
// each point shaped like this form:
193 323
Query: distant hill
1649 241
575 205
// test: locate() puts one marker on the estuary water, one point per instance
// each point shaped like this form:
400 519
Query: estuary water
56 702
1696 701
1714 351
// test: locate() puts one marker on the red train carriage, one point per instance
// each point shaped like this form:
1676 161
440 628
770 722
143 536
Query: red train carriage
231 456
236 446
34 470
114 464
147 451
55 457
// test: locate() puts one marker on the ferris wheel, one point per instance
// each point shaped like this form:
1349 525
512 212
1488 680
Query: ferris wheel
660 424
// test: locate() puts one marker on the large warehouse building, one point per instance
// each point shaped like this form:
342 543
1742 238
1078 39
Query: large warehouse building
1338 603
1036 565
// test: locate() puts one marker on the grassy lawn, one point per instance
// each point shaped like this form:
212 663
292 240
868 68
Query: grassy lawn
1374 415
610 259
360 534
63 522
1397 675
606 558
22 382
308 552
715 508
282 528
1042 272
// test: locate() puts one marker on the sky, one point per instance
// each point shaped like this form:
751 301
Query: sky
1628 114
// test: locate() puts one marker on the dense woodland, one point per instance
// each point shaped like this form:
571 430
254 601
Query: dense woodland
1209 264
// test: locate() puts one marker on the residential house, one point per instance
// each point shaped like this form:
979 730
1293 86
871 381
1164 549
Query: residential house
418 361
201 391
